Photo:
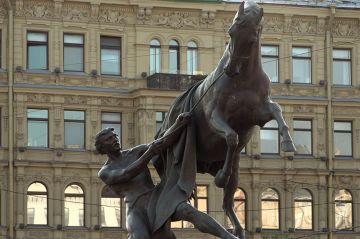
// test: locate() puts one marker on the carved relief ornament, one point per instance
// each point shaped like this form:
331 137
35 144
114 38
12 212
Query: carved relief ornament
303 25
76 12
74 99
38 98
174 20
112 16
273 24
345 28
2 9
38 9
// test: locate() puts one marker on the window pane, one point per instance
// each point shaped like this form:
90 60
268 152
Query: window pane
74 135
303 215
74 39
270 66
74 115
74 211
37 134
37 187
114 117
302 71
301 52
269 50
73 58
269 194
37 57
192 61
343 126
341 54
173 43
37 36
343 195
271 124
342 72
154 60
37 209
173 61
302 124
110 61
269 141
154 42
110 212
303 144
111 42
270 214
74 189
37 113
343 216
342 144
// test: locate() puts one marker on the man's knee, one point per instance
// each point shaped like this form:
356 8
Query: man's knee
185 211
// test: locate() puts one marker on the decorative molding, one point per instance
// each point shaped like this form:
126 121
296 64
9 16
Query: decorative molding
3 11
175 20
38 9
75 99
76 12
273 24
303 109
38 98
38 234
207 19
345 28
112 15
143 15
108 101
303 25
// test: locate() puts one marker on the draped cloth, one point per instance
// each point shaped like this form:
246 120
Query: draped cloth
178 163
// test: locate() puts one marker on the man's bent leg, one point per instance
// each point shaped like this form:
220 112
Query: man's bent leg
202 221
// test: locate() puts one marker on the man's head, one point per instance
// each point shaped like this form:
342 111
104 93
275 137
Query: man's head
106 141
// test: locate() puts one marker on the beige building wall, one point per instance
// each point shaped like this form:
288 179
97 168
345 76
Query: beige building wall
137 23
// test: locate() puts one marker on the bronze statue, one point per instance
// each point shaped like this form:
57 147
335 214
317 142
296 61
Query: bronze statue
126 173
226 106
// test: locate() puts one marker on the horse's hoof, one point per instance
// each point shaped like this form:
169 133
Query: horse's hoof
221 179
288 146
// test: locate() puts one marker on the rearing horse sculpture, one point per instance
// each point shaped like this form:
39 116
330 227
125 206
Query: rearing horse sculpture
226 107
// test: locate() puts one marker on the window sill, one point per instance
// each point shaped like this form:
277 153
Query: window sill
303 156
270 156
74 150
302 84
342 86
37 148
37 71
111 76
112 229
75 228
34 226
74 73
343 158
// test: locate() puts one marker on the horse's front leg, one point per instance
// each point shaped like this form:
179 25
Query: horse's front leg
220 126
287 144
228 202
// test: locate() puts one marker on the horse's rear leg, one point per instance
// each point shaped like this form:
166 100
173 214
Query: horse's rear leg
219 125
228 201
287 144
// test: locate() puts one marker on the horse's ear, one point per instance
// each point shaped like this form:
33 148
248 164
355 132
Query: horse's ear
242 8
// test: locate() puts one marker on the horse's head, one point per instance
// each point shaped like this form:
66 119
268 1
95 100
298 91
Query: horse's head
245 32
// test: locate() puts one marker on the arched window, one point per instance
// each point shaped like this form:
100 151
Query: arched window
343 210
303 209
240 207
110 208
192 58
174 57
74 206
37 204
155 56
270 215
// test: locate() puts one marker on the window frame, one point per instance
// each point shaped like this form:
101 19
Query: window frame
344 131
78 45
120 207
38 120
36 194
37 43
278 209
194 50
177 49
163 115
272 58
156 48
343 60
312 210
352 209
305 130
111 48
75 121
300 57
113 122
245 206
75 195
278 138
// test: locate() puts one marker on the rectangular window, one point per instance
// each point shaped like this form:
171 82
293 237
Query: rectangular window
301 67
200 203
110 55
160 116
111 120
303 137
270 62
74 123
341 67
110 212
37 127
37 51
269 137
73 52
342 139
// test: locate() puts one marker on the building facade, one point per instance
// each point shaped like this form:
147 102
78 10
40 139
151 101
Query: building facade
70 68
